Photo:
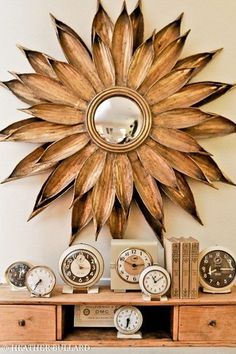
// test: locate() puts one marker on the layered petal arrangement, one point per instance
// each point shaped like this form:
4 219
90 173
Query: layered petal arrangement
158 154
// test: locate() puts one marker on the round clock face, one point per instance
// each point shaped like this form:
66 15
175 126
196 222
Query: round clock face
154 281
16 273
40 280
131 263
128 319
81 265
217 269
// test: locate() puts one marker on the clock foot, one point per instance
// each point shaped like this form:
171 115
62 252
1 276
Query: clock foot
153 298
137 335
217 291
67 289
93 290
119 290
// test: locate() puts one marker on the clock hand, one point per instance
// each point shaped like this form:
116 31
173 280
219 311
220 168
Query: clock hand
40 281
227 268
212 271
159 279
127 322
136 265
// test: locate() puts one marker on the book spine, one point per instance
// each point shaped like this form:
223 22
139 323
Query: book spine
194 278
185 270
175 288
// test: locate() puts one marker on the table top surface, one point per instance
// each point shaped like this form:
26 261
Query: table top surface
106 296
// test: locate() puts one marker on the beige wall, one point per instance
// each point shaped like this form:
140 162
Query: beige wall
44 238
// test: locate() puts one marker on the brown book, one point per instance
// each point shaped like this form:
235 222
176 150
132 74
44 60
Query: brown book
193 274
172 253
184 267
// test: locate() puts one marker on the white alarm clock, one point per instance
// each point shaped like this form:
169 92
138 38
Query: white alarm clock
154 282
128 259
40 281
128 321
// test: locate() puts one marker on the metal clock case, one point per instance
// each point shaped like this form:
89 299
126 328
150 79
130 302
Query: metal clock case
40 281
128 259
217 270
81 266
15 274
154 282
128 321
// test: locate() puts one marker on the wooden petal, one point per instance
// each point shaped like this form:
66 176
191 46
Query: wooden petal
163 63
176 139
103 195
167 35
168 85
137 22
89 173
73 79
123 180
156 166
81 215
57 113
154 223
180 118
102 25
65 173
184 197
140 63
146 188
118 221
29 166
64 148
196 61
39 62
217 126
21 91
211 169
179 161
122 46
78 55
103 61
50 90
17 125
39 207
43 132
190 95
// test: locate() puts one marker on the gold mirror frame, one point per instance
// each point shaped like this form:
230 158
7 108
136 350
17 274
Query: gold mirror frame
106 178
127 93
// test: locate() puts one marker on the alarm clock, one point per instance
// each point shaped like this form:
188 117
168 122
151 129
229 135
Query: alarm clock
40 281
154 282
81 266
217 270
128 259
128 320
15 274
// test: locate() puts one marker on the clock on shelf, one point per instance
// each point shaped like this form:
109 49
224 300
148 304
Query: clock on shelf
15 274
128 321
81 266
217 270
40 281
128 259
154 282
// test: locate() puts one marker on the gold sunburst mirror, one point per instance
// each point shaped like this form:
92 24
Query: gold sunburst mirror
118 124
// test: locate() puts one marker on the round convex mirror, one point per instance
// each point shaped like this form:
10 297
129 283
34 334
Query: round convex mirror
118 120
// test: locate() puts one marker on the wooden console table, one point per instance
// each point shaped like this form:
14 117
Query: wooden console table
209 320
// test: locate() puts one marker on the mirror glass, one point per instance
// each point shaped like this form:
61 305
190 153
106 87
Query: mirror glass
118 120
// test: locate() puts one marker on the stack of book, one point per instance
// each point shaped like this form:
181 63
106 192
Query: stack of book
181 261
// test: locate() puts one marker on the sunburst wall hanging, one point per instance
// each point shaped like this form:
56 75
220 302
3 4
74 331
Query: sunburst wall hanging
118 124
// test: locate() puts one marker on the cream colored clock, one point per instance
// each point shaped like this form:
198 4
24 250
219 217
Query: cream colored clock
81 266
128 259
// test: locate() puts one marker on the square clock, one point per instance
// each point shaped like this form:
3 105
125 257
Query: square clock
128 259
